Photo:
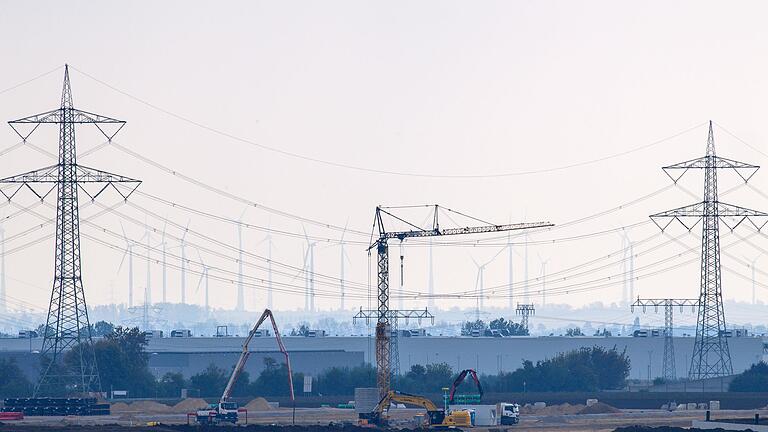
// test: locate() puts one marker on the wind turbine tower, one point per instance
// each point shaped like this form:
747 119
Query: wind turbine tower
240 292
309 269
3 299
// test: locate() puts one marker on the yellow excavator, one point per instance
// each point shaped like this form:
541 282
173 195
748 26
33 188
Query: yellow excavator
438 418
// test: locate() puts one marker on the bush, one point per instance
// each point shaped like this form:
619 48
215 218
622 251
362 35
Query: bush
754 379
13 383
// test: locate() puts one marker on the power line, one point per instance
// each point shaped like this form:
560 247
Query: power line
376 170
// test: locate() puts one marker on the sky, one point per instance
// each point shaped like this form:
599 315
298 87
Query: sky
509 111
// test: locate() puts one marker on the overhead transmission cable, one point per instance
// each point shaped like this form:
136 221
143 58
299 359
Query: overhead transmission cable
377 170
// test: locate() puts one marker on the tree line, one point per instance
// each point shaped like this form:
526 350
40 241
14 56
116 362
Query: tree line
124 365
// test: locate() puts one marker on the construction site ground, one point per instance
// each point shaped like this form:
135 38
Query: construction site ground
318 419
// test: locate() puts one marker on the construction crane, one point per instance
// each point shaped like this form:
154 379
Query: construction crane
383 366
225 411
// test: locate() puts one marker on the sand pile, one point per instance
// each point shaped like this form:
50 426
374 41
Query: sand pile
148 407
258 404
563 409
599 408
189 405
119 407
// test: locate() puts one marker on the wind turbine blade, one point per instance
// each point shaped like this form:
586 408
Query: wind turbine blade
306 237
186 229
125 253
200 281
125 236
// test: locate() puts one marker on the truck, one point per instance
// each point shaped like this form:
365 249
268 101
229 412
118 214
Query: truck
507 413
226 411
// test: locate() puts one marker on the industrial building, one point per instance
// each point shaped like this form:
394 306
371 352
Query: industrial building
488 355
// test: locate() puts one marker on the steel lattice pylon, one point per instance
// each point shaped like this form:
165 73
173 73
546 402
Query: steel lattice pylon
669 369
711 356
525 311
67 326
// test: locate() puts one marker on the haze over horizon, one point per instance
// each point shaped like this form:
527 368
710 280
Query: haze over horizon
504 111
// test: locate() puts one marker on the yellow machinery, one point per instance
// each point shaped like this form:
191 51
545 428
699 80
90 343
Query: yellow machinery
438 418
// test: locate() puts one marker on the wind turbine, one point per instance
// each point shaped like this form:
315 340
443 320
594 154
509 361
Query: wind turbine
129 253
309 267
268 239
752 266
165 269
343 257
430 279
629 274
479 287
184 264
3 299
203 276
543 280
240 292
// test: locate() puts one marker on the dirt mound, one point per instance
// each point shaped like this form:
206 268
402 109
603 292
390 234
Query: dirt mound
189 405
563 409
599 408
119 407
147 407
258 404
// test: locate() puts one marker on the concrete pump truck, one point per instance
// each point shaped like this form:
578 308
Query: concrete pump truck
225 411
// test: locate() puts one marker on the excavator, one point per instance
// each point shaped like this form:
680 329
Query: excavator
225 411
438 418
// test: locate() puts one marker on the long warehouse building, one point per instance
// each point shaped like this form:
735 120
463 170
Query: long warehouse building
487 355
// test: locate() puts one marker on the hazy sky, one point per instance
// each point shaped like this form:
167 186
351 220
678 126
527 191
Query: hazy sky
432 87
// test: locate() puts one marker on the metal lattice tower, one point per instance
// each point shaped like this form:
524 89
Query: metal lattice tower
525 311
669 369
394 317
67 326
711 356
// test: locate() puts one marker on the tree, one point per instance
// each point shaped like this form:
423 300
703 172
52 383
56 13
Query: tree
211 381
102 328
604 333
13 383
170 385
468 326
586 369
754 379
303 330
273 380
343 381
508 328
122 361
575 331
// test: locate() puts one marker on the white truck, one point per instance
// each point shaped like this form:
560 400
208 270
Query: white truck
507 413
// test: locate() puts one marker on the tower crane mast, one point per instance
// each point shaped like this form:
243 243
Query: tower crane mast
383 365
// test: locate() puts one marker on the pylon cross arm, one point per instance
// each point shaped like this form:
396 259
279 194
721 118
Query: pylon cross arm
58 116
83 174
731 215
744 170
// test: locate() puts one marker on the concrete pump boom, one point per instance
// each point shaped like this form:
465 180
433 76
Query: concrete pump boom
244 356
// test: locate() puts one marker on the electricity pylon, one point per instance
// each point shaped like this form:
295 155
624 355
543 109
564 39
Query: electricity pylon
711 356
669 369
525 311
67 326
